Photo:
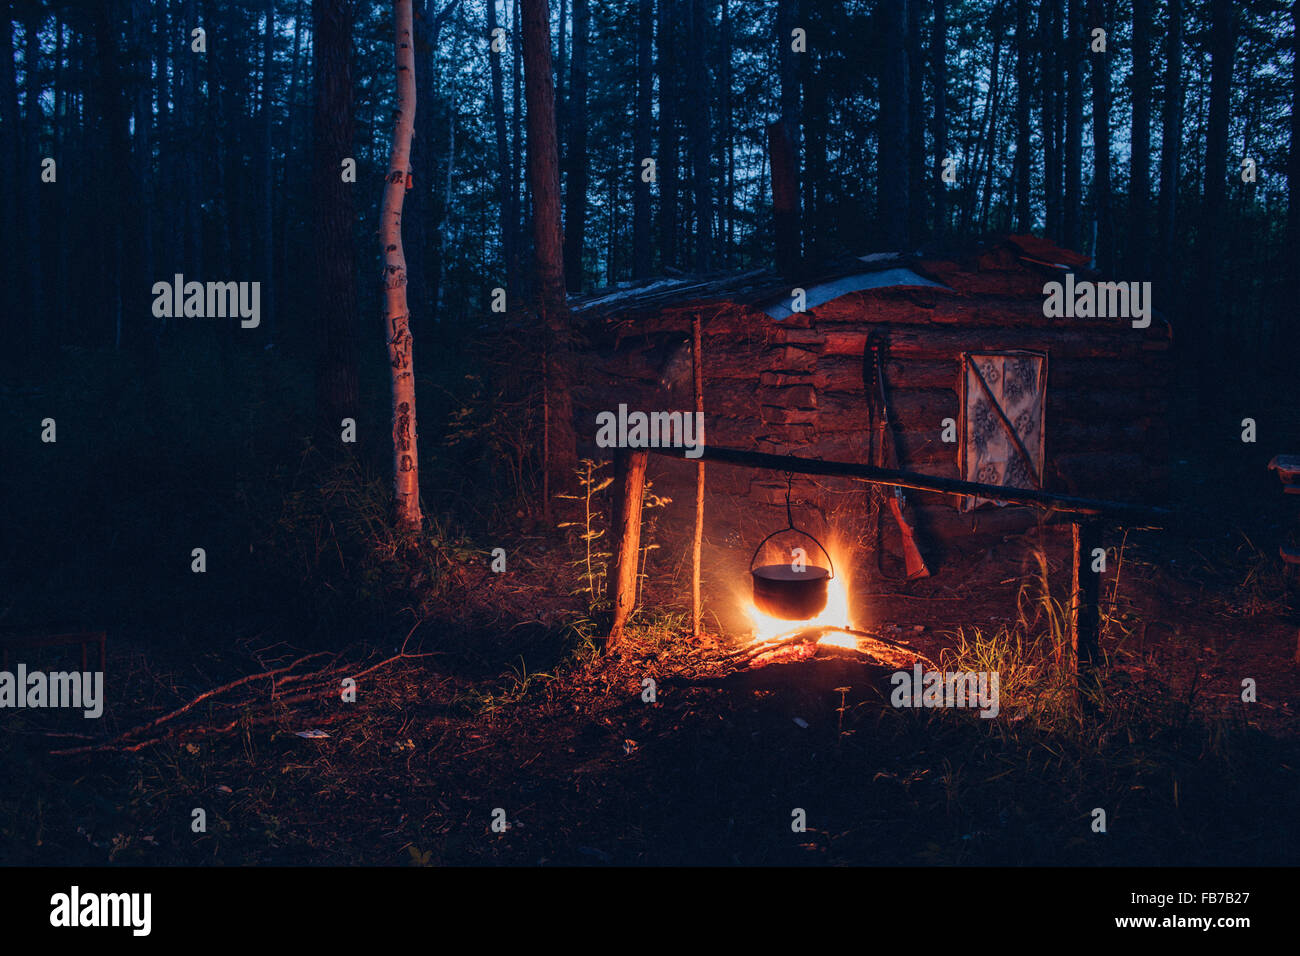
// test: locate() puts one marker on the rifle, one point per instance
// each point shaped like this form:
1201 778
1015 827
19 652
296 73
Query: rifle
874 379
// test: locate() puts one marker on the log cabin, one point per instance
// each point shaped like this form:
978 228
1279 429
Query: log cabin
976 382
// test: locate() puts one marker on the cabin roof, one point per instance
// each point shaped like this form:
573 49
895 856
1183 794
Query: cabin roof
832 289
1010 265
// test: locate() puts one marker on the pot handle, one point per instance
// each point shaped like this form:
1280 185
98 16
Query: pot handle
829 560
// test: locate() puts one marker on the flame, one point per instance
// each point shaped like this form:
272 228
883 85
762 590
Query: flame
836 613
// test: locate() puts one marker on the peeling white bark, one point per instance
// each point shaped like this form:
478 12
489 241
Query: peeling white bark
397 316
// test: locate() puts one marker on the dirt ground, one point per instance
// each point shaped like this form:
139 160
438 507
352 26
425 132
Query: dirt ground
564 748
502 710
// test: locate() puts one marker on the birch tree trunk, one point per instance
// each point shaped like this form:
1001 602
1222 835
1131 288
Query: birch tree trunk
397 316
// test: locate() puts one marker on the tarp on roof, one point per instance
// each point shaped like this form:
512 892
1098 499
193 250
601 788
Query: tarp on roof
826 291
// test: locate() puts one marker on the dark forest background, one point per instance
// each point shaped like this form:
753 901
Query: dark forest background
225 164
194 435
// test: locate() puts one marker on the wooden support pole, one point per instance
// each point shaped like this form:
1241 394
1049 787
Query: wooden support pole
1085 603
629 484
697 609
1070 504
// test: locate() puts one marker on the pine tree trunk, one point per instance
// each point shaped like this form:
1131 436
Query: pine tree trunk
1223 40
12 159
1050 76
113 137
997 80
1139 191
268 171
939 69
1290 340
641 266
788 73
1105 251
575 205
1171 136
143 145
190 65
291 130
1293 175
893 191
701 28
332 215
519 108
1024 161
548 238
1071 227
561 71
667 160
785 201
974 212
32 266
505 194
815 135
727 163
918 210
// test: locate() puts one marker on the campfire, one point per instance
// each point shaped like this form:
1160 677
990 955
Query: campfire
777 631
835 619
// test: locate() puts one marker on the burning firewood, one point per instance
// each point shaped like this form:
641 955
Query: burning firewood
875 645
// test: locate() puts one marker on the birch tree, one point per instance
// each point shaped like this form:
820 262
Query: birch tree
397 316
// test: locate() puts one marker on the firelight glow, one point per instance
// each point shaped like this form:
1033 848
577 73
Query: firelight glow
835 614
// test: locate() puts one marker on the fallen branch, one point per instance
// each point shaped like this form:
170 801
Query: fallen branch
123 741
214 692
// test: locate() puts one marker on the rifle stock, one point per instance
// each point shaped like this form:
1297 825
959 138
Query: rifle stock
915 564
916 567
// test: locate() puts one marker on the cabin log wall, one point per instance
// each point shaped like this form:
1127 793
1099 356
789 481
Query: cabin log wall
795 386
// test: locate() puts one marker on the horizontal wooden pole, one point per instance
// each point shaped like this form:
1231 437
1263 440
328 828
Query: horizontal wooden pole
1045 500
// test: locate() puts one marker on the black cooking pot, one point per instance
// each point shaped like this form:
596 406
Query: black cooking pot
792 595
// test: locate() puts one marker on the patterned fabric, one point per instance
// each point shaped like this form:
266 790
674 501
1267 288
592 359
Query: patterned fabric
1015 382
